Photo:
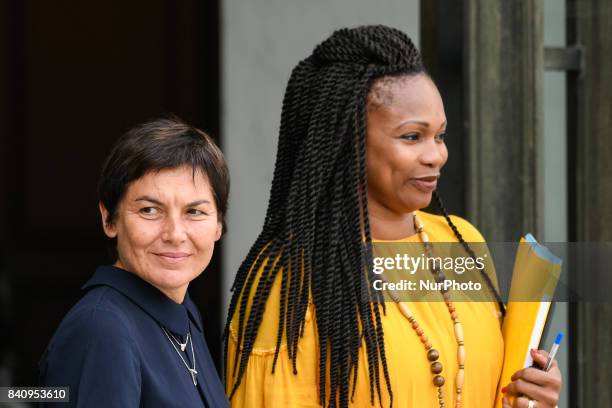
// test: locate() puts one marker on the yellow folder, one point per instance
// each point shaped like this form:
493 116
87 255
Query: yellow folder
534 279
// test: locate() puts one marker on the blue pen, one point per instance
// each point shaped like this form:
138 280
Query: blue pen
553 351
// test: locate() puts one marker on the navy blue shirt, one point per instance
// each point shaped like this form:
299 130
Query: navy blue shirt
111 351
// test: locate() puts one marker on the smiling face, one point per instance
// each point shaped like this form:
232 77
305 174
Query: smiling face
166 227
405 144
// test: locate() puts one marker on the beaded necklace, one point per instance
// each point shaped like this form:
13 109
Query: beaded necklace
432 354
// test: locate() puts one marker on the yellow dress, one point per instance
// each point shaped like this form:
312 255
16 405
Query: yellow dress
409 369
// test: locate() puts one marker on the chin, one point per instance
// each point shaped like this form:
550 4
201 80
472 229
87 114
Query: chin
416 205
173 278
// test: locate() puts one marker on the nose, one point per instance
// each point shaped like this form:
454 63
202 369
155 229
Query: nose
174 231
433 154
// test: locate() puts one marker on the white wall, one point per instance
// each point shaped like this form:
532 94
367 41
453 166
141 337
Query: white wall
262 40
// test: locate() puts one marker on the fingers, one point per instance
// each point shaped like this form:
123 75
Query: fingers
522 387
521 402
545 385
550 380
540 357
533 375
547 396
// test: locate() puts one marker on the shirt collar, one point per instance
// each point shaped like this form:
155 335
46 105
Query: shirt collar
168 313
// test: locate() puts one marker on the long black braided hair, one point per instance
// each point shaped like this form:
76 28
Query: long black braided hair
316 232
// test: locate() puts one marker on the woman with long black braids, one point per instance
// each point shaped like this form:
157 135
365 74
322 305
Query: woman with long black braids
360 150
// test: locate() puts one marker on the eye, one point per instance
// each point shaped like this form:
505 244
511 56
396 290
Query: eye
149 212
441 137
412 137
195 212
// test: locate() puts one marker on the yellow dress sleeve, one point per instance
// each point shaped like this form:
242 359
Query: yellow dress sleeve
260 387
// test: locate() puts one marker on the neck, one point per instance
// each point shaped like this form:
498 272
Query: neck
389 225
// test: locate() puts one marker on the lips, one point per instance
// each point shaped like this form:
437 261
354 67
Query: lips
172 257
425 183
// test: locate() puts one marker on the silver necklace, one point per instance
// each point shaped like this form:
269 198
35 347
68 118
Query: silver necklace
192 371
182 345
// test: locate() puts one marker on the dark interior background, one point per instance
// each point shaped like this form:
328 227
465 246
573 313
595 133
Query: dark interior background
443 54
74 76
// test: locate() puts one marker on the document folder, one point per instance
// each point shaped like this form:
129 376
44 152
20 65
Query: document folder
534 279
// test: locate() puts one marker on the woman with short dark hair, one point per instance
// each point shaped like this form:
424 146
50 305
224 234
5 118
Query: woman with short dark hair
136 339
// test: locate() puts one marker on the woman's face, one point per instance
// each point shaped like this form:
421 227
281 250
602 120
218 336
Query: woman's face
404 143
166 227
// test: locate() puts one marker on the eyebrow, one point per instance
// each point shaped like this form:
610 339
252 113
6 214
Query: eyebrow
419 122
156 201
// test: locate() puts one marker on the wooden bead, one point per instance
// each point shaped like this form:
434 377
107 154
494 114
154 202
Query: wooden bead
454 316
428 346
461 354
451 308
415 325
458 332
433 355
419 331
405 311
460 377
424 339
438 381
417 223
436 367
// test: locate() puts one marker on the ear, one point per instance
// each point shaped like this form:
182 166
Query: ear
219 231
109 229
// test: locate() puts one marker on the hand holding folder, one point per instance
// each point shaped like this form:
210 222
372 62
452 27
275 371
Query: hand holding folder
534 279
